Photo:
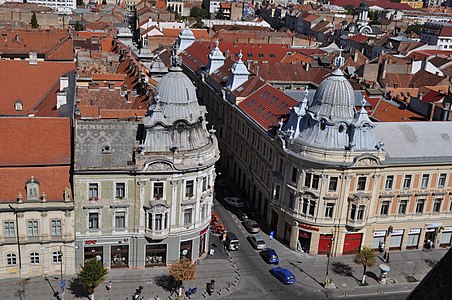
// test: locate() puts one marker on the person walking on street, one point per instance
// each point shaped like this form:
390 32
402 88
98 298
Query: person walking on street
108 286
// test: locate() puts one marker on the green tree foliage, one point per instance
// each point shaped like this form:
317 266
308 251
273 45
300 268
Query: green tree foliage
92 274
365 257
79 26
80 3
416 28
199 13
351 10
34 21
219 15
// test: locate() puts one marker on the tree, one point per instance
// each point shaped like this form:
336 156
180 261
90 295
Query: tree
199 13
219 15
365 257
79 26
80 3
351 10
182 270
414 28
34 21
91 275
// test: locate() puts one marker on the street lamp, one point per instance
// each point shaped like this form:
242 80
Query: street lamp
21 291
60 255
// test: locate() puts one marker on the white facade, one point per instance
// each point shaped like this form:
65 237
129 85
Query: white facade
58 5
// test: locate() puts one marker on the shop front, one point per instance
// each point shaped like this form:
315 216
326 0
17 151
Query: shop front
325 243
287 233
378 238
155 255
396 239
446 237
305 235
186 249
202 241
352 243
413 238
119 256
90 252
431 231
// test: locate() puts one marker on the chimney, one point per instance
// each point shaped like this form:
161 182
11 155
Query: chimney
355 56
307 67
32 58
61 99
226 54
64 83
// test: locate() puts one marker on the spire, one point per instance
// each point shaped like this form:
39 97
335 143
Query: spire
186 38
239 74
175 59
216 58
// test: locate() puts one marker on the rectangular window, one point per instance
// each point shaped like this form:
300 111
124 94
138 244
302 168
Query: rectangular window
277 189
204 184
294 175
384 208
360 215
442 180
291 200
420 206
332 187
407 182
158 190
33 228
93 220
353 212
315 181
93 191
361 186
402 206
437 205
189 188
307 180
424 182
329 210
56 257
158 222
10 229
55 227
312 204
305 206
389 182
120 190
11 259
120 220
187 216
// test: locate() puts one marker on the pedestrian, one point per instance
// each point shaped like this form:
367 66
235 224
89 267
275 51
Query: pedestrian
387 257
430 244
108 286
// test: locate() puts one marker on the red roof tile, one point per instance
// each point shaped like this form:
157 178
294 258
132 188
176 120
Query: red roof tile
381 3
387 112
35 141
267 106
359 38
446 31
38 79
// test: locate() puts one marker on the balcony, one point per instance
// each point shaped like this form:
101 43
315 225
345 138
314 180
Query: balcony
157 234
354 225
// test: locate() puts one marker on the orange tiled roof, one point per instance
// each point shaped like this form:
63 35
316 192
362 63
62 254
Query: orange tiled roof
198 33
387 112
38 79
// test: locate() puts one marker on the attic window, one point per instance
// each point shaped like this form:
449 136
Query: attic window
341 128
250 54
18 105
106 149
260 55
32 186
272 55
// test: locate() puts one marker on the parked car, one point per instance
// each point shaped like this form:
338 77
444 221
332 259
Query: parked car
234 202
241 215
232 242
270 256
283 275
257 241
251 226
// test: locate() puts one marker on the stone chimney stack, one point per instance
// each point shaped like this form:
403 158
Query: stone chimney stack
64 82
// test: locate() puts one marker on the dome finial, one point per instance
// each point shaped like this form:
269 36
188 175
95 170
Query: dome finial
240 56
339 60
216 44
175 59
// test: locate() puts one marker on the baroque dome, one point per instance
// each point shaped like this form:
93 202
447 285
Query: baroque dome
334 99
176 88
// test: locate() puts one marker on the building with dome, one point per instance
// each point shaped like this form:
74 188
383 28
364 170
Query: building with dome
361 25
327 179
144 189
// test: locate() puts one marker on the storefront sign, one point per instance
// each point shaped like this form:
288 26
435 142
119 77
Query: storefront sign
397 232
380 233
90 242
308 227
414 231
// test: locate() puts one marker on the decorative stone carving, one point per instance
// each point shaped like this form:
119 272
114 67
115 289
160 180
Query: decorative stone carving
359 198
366 162
159 166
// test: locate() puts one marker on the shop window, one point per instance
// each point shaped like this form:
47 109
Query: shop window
185 249
120 256
155 255
93 253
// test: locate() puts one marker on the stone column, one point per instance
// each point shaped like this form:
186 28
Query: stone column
294 236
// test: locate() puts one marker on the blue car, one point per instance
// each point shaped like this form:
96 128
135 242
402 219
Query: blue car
284 275
270 256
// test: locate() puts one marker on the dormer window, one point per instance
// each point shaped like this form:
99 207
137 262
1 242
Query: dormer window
32 186
18 106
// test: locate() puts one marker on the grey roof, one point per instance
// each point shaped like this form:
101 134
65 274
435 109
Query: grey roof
104 144
334 99
299 94
416 141
176 87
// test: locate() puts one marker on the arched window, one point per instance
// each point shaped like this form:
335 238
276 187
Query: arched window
32 185
18 106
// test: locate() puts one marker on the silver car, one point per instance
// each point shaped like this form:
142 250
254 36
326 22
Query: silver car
257 241
251 226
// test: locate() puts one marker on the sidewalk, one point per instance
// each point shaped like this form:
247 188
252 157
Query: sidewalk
125 282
